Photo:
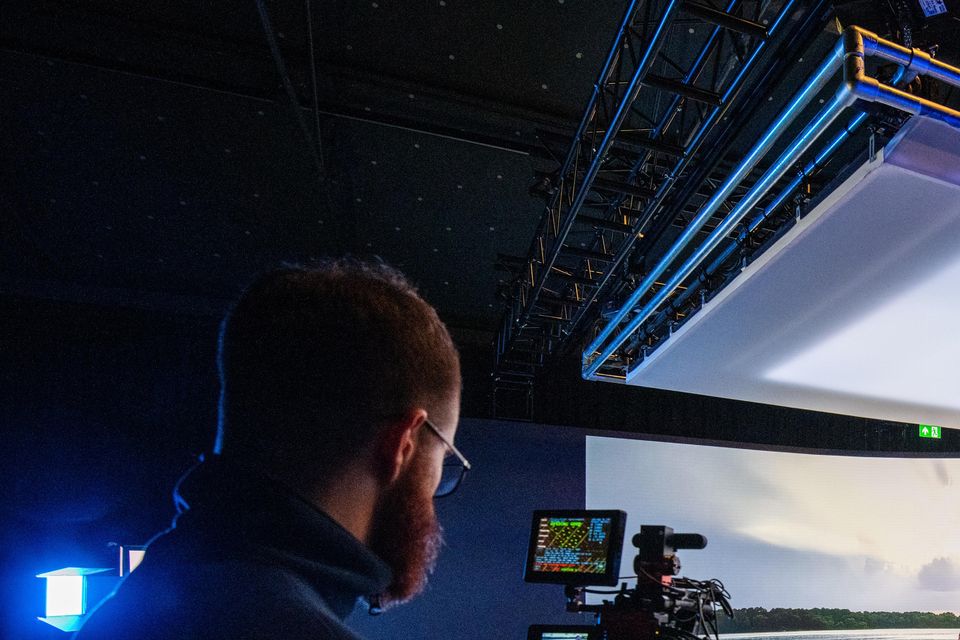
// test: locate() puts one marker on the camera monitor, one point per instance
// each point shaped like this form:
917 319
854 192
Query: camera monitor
575 547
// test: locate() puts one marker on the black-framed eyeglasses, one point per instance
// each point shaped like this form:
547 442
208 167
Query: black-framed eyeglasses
454 468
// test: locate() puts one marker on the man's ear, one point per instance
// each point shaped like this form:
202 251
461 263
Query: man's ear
396 445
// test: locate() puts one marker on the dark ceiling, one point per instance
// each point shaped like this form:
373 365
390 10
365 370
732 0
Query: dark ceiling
154 158
152 149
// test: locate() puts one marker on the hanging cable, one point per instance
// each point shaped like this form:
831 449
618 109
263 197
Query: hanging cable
288 85
318 135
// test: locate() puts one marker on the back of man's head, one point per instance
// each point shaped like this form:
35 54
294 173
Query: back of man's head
313 360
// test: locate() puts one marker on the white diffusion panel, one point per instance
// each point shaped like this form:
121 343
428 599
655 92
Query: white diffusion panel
853 311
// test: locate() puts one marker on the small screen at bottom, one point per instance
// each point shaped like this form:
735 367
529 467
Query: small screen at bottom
575 547
563 632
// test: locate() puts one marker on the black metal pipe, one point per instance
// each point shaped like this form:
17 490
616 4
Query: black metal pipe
603 184
569 277
587 253
292 97
601 223
725 20
640 144
683 89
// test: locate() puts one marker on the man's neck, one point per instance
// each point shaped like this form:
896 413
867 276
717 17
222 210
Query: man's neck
350 499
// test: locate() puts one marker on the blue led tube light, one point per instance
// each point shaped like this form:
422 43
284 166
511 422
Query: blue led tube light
823 74
807 137
689 151
656 41
808 169
811 166
852 48
828 150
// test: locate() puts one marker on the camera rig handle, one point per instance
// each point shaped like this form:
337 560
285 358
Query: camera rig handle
657 550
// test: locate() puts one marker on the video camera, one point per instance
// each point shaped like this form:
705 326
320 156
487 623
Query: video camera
581 548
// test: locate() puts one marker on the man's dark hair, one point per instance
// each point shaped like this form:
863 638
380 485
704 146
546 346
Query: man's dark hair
313 360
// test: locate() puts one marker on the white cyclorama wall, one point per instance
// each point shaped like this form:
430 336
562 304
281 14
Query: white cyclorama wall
793 530
854 311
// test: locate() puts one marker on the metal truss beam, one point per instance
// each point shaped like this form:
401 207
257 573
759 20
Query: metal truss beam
626 130
848 55
610 105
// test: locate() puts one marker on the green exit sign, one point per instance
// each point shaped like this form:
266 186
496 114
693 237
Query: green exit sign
929 431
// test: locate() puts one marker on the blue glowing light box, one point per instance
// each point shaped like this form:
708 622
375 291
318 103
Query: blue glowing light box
66 600
130 557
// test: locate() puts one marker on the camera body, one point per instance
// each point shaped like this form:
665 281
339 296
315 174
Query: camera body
581 548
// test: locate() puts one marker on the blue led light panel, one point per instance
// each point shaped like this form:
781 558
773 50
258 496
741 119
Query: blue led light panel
66 595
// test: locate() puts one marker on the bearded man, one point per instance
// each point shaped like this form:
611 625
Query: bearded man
340 397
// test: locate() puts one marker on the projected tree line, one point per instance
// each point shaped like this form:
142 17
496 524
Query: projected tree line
758 619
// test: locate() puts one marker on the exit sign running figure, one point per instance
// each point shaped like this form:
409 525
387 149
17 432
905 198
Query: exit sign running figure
929 431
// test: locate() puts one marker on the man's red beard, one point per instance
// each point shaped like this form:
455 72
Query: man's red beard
406 535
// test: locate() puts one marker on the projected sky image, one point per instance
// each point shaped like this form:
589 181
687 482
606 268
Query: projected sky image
793 530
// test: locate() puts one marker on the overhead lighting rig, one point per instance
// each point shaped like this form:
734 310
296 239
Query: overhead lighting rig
604 356
640 135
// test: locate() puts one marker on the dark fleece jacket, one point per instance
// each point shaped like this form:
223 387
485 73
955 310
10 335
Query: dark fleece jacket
247 559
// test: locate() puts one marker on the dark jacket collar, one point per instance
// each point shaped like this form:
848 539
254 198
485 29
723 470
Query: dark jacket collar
233 511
